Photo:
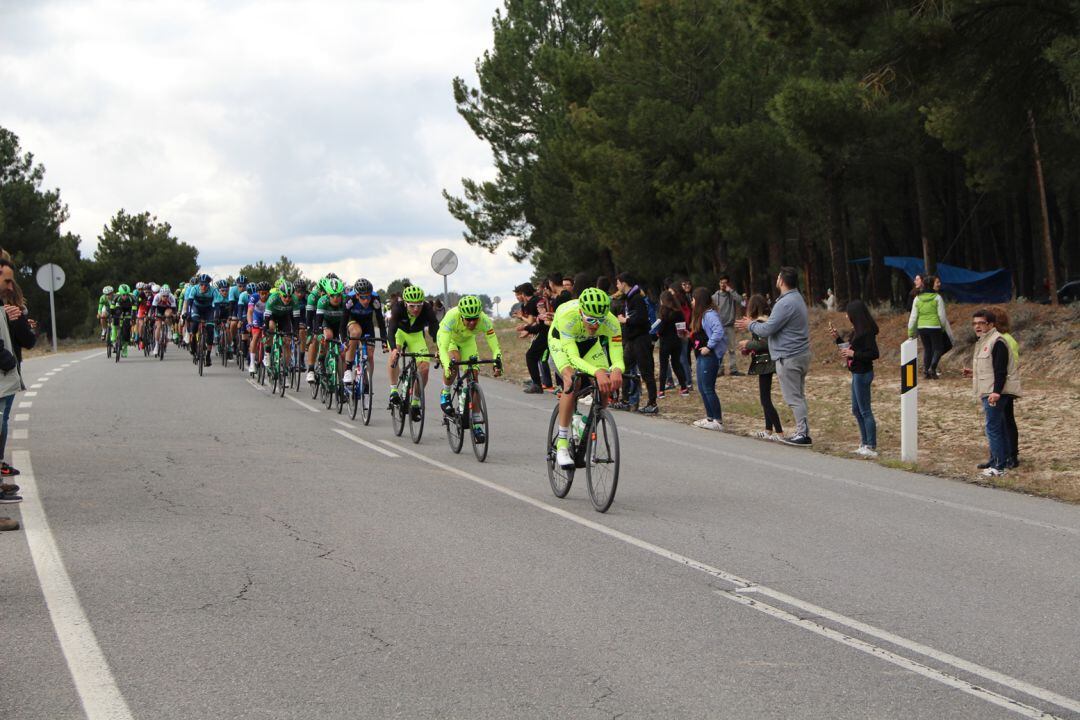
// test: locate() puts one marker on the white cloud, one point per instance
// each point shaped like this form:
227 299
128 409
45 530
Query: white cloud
320 130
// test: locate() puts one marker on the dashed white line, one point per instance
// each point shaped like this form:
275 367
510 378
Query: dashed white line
30 393
747 586
94 681
36 386
42 379
365 443
20 434
26 404
301 403
21 417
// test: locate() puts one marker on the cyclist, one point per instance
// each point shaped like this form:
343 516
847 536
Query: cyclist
457 339
122 311
575 343
241 312
104 304
278 317
255 313
185 310
299 311
142 304
181 290
408 318
329 312
364 310
164 304
202 305
233 298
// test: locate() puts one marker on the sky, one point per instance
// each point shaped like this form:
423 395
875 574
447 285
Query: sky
323 130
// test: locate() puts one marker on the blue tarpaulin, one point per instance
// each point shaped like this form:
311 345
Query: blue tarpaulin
957 283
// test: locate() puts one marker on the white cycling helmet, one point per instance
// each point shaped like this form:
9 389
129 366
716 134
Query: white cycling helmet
165 289
140 285
107 290
155 288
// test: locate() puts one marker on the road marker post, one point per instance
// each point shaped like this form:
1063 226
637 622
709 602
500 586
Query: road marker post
909 401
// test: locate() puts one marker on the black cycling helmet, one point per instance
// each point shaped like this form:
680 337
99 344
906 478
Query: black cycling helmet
263 286
300 286
363 286
194 280
241 280
203 279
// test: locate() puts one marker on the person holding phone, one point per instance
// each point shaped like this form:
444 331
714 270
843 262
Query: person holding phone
858 350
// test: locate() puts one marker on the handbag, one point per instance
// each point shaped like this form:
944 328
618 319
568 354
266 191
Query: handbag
761 363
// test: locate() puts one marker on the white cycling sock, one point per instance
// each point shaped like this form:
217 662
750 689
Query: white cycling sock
564 432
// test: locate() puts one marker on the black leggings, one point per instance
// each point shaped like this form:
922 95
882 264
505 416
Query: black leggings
933 342
536 356
670 357
1012 433
772 418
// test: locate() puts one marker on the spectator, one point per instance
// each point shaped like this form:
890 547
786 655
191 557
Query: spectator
558 291
762 365
995 379
536 355
1012 432
859 352
788 331
729 306
670 316
15 334
709 343
683 299
929 320
439 308
568 284
830 300
581 281
635 320
688 294
604 283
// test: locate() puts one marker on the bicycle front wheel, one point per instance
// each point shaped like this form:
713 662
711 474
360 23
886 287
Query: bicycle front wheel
416 413
602 459
397 412
559 477
367 393
478 422
455 431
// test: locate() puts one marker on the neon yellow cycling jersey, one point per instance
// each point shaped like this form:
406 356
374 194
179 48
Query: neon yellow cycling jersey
568 330
452 332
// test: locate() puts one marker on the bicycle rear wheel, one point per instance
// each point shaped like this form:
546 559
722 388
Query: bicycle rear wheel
559 478
602 459
317 385
480 449
200 350
416 392
397 412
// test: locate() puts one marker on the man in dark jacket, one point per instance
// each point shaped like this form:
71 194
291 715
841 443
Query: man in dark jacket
636 340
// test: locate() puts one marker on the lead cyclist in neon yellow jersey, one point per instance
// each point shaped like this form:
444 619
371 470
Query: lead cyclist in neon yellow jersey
457 339
574 343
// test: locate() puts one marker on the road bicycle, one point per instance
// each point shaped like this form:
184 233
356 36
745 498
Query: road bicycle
594 446
162 339
200 345
297 366
328 379
144 338
279 364
119 337
469 408
409 400
361 391
222 332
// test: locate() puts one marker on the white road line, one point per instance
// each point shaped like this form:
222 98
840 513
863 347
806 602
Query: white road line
22 417
365 443
37 386
747 585
30 393
97 354
48 374
42 379
301 403
94 681
26 404
890 657
20 434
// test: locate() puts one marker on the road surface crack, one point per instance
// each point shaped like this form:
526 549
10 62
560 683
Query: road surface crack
325 551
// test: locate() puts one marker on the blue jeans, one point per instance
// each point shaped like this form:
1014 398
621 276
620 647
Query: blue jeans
707 366
5 407
860 408
995 433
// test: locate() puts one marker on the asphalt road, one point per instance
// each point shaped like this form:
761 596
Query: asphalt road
195 548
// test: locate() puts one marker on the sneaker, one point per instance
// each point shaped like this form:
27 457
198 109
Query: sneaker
7 523
992 472
707 424
444 401
533 389
562 453
660 395
9 498
869 452
983 465
7 471
777 437
684 392
349 376
858 450
649 410
8 487
1012 463
310 377
798 440
763 435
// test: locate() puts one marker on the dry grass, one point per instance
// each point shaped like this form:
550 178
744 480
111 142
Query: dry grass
951 440
44 347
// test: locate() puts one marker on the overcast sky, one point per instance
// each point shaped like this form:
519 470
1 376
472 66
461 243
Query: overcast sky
323 130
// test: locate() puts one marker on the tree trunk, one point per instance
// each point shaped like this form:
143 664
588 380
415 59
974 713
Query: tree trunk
806 253
1025 250
878 279
776 244
922 198
837 256
1048 250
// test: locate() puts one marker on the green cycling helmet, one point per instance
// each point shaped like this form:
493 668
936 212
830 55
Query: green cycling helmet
594 302
413 294
284 286
470 307
332 286
124 290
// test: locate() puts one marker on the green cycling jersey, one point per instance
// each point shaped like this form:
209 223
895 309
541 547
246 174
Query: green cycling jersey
568 329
